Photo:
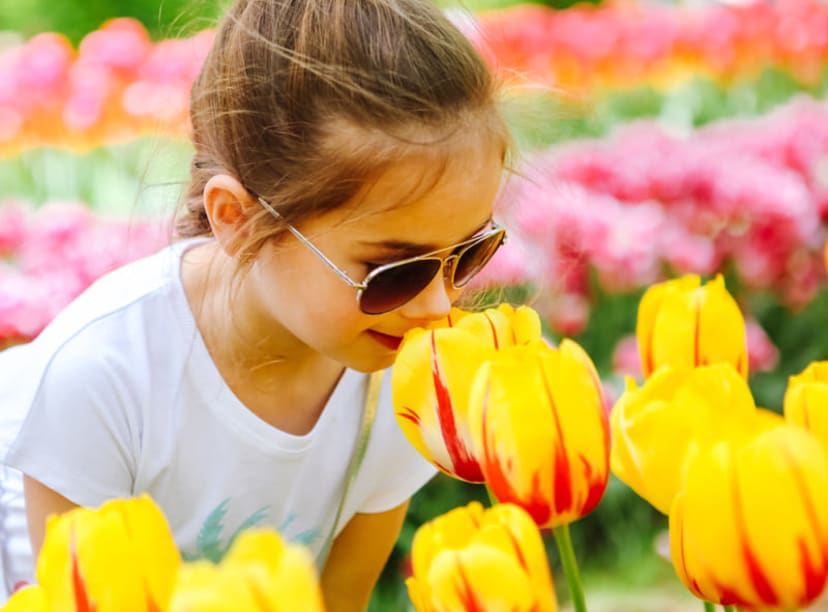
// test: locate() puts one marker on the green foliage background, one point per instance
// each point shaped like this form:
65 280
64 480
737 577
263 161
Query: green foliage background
75 18
163 18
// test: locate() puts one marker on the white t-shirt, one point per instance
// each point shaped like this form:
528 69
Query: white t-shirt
118 396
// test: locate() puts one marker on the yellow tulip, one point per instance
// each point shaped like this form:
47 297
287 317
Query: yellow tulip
432 377
476 559
683 323
656 428
259 573
538 423
119 557
806 400
750 526
28 599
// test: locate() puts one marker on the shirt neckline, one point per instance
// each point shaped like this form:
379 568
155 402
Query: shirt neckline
220 399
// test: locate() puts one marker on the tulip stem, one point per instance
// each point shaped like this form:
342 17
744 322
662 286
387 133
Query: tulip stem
570 567
492 498
709 607
728 608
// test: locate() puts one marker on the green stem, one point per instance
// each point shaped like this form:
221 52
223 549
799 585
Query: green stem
729 608
570 567
492 499
709 607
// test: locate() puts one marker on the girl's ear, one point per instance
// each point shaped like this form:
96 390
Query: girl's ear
228 205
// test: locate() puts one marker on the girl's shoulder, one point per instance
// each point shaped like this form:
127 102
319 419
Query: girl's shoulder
146 293
133 314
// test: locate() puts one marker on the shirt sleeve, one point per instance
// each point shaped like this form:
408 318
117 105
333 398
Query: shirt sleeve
68 423
395 469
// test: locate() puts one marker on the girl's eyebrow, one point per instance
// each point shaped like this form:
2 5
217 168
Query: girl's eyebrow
405 246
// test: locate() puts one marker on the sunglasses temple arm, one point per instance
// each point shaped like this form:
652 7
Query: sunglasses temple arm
341 273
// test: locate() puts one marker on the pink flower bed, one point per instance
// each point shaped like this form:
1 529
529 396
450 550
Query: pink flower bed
49 256
749 196
627 44
117 85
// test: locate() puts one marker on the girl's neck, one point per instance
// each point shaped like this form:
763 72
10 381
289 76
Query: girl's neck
258 359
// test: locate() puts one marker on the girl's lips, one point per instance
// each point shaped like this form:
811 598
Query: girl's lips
388 341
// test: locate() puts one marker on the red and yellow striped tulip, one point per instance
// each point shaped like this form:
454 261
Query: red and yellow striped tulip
432 377
260 573
750 526
682 323
476 559
539 427
806 400
28 599
656 428
118 557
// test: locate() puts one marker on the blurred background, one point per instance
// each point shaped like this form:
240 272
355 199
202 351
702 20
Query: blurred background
654 139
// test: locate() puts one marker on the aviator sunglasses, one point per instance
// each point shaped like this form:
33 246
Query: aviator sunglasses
391 285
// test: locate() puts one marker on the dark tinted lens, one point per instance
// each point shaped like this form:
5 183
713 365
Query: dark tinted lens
475 256
395 286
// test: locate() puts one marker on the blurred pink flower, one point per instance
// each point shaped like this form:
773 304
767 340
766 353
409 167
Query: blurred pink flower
762 354
566 313
119 44
56 253
14 227
626 359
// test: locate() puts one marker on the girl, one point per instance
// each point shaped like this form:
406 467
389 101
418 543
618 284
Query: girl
347 156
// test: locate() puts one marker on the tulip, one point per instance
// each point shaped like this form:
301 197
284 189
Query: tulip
476 559
750 526
260 572
681 322
119 557
31 598
538 423
432 378
656 428
806 400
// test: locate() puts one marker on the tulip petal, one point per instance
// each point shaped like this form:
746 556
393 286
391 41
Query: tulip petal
471 559
430 384
537 418
85 551
684 324
479 579
648 309
260 572
721 335
203 587
749 528
31 598
806 400
656 430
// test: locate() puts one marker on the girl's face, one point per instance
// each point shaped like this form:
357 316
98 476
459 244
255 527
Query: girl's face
310 309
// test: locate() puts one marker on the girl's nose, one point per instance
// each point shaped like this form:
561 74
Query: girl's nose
433 302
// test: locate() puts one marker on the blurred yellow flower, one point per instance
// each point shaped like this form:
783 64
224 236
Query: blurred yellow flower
260 573
432 380
28 599
657 428
476 559
806 400
750 526
118 557
682 323
540 431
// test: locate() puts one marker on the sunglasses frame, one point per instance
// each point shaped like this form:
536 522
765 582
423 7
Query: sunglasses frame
448 264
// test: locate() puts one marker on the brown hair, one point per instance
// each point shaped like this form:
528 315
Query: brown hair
305 101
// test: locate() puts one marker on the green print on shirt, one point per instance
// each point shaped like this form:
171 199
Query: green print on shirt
209 541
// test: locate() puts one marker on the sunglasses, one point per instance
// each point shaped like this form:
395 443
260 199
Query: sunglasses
391 285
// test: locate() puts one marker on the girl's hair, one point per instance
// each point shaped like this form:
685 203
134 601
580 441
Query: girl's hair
306 102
